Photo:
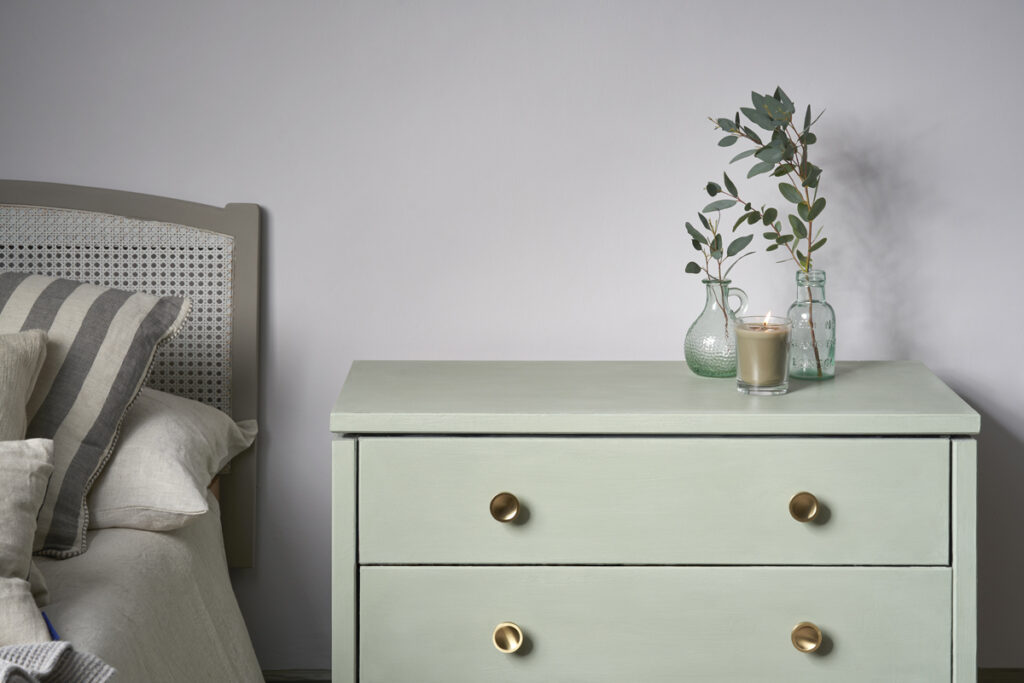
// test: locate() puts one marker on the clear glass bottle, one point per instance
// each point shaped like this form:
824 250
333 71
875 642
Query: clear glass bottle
812 346
710 345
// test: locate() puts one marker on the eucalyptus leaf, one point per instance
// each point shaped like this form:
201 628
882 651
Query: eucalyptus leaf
784 239
772 247
804 211
696 245
799 229
770 214
817 208
717 255
752 135
775 109
738 244
739 221
729 185
769 236
719 205
727 125
716 244
808 138
772 155
781 96
758 118
713 188
753 217
801 258
783 170
696 234
818 245
790 193
807 119
743 155
759 168
692 267
705 221
727 141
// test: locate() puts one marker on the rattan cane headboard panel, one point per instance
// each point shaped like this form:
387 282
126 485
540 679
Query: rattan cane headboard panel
140 256
161 246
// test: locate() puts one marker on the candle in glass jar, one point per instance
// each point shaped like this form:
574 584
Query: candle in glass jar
762 354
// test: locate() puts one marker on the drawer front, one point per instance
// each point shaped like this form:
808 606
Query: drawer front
653 501
651 624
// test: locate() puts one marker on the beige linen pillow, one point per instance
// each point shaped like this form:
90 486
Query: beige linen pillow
21 359
168 453
25 468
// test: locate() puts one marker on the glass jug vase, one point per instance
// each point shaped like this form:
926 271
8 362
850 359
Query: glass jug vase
710 345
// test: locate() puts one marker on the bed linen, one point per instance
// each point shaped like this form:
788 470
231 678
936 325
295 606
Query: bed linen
157 606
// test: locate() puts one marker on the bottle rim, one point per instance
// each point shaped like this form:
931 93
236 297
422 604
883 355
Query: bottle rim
813 276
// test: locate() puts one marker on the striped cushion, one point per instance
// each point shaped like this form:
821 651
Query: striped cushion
100 344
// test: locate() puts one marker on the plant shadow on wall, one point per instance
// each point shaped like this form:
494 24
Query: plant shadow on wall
885 211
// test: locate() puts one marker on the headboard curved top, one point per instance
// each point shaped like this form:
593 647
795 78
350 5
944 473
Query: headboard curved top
161 246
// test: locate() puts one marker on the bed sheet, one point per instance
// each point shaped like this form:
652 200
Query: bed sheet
157 606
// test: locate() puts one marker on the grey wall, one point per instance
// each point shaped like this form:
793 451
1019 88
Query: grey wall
509 180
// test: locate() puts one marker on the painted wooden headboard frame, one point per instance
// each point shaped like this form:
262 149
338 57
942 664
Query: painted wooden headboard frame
242 223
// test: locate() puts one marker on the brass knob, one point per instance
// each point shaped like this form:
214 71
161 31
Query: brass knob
803 507
806 637
505 507
507 637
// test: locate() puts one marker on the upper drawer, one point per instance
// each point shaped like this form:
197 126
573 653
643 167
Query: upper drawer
653 501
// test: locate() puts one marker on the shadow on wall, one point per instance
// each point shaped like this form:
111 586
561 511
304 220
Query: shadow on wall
877 210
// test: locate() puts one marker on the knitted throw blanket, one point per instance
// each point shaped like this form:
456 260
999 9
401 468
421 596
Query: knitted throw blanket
54 662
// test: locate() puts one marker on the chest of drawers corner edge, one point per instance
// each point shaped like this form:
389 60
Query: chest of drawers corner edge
654 541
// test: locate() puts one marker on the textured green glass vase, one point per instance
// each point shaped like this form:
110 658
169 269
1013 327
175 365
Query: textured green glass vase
710 345
812 343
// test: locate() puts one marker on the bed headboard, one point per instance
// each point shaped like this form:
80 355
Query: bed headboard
162 246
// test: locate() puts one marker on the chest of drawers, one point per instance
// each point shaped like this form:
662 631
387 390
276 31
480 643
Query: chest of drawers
628 521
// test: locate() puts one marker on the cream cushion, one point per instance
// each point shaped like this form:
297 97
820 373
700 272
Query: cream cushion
169 451
21 358
25 468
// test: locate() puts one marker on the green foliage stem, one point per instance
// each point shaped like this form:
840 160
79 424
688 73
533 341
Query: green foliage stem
784 155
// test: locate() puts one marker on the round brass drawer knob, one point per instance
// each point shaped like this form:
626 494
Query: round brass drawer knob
507 637
505 507
806 637
803 507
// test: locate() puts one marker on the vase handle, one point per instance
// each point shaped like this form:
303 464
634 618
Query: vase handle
742 296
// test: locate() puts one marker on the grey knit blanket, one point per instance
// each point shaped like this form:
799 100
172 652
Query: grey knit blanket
54 662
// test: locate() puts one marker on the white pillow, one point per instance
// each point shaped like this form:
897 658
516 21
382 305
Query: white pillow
25 468
169 450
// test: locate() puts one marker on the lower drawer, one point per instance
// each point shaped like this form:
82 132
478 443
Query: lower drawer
650 624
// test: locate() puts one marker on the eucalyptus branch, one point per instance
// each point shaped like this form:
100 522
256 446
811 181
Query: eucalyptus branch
786 154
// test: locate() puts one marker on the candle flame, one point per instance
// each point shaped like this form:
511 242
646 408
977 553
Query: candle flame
765 323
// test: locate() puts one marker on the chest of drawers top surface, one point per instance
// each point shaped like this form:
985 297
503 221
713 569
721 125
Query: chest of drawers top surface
638 397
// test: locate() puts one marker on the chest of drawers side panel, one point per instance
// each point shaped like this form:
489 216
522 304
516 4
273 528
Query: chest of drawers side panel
965 559
344 570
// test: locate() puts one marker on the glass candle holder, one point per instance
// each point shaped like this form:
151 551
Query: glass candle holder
762 355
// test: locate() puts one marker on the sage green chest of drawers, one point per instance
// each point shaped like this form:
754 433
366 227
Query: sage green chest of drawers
628 521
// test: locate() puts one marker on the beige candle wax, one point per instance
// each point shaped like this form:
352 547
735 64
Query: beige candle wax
762 350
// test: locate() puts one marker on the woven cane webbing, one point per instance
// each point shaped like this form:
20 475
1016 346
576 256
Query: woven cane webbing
146 256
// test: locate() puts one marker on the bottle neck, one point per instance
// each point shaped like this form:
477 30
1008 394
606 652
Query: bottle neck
810 286
717 292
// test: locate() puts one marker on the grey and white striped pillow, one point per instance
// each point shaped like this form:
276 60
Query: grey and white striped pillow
100 344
